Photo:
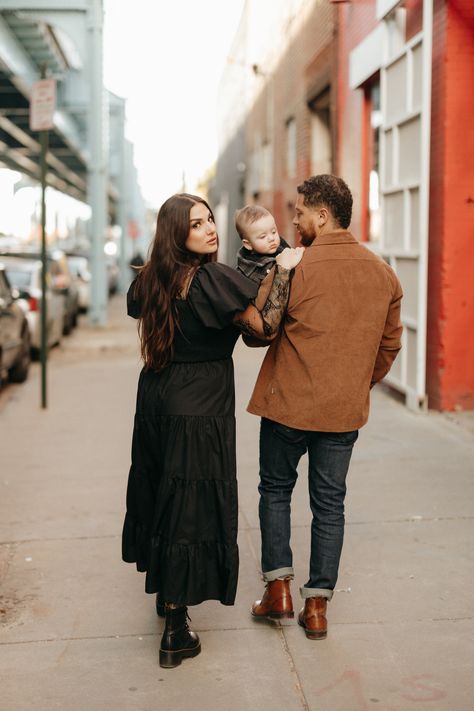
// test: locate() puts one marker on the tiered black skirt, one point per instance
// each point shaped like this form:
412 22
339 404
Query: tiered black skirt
181 522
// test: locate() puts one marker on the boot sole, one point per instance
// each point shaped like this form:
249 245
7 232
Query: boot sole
274 616
170 660
310 634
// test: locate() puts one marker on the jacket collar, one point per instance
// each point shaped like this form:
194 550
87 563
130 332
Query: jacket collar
334 238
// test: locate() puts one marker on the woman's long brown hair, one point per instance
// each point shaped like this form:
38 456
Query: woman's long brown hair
162 278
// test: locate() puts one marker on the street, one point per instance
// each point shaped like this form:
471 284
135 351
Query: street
78 632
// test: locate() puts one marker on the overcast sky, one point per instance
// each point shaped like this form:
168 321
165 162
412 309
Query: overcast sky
166 59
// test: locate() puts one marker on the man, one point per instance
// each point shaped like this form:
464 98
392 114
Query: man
340 337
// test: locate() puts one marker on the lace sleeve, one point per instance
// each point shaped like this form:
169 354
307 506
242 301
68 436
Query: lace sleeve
277 301
266 322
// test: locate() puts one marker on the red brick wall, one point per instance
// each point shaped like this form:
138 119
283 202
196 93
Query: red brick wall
450 339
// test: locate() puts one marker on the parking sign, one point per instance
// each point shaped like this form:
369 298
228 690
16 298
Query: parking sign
42 105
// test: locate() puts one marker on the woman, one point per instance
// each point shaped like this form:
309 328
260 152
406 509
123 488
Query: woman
181 521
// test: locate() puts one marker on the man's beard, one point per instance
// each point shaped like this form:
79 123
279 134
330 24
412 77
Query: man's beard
307 238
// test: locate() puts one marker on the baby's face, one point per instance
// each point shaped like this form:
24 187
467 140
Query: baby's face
262 236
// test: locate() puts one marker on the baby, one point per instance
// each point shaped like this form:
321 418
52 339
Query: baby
261 242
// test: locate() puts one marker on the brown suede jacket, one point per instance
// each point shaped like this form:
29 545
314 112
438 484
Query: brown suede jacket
341 335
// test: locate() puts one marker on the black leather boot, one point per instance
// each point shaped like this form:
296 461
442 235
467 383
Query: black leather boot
178 641
160 606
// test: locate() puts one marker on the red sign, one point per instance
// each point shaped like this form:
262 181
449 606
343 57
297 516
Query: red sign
42 105
133 231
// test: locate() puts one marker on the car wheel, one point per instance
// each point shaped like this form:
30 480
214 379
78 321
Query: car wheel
18 373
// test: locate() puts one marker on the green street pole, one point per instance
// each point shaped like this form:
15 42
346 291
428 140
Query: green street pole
44 266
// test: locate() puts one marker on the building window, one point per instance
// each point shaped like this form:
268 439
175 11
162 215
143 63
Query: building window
291 148
321 143
371 160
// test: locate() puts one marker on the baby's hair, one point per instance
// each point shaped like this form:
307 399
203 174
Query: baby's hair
247 215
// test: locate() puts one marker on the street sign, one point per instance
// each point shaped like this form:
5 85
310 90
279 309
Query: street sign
42 105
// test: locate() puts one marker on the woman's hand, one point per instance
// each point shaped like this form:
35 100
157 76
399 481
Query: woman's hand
289 258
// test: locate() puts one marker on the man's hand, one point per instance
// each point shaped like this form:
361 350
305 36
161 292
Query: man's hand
289 258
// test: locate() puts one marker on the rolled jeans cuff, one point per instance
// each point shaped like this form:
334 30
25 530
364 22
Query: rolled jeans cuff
271 575
316 592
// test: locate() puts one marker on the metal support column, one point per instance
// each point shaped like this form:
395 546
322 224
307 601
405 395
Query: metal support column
97 175
122 205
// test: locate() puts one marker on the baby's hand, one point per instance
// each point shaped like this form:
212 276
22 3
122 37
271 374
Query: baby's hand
289 258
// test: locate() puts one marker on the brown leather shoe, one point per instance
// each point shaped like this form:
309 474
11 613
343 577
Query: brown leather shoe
313 618
276 602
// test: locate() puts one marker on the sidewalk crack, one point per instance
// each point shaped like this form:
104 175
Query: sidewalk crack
409 519
63 538
293 670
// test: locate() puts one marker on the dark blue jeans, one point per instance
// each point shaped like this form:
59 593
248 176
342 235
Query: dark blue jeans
281 448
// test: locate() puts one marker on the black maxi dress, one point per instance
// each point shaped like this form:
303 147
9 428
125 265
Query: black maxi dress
181 521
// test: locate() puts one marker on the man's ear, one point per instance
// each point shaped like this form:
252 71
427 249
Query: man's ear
246 244
323 216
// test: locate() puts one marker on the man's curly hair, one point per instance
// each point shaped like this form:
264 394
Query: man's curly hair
330 192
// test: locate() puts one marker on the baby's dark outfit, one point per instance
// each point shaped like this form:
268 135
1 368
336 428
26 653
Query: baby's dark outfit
256 266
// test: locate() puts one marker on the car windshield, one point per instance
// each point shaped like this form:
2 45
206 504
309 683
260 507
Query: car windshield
19 278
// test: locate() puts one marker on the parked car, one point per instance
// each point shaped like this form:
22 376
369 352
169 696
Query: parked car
79 268
112 271
14 334
25 276
61 282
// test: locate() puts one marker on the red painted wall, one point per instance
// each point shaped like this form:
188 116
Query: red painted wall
450 340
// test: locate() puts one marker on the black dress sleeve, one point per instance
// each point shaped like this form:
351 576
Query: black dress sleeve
133 304
218 292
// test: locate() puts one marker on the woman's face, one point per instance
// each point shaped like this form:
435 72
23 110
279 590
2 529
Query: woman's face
202 237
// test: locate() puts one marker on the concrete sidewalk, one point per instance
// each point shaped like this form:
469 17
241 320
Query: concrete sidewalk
78 633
